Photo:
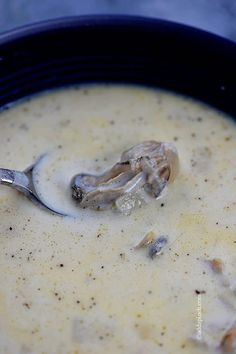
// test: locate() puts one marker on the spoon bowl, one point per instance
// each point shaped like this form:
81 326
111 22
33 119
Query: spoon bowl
24 183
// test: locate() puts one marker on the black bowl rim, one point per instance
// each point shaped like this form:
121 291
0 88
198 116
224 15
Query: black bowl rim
173 56
109 20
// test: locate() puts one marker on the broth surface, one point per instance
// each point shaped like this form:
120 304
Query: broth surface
77 284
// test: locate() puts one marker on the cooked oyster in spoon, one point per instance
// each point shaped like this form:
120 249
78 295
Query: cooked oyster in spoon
147 166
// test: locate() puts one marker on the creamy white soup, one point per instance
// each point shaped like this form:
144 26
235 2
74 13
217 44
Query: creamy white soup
78 284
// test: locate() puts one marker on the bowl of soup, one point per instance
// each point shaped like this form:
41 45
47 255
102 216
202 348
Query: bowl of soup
161 277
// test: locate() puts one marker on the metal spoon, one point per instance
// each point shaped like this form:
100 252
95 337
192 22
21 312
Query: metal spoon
23 182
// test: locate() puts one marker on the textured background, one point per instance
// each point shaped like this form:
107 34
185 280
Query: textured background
218 16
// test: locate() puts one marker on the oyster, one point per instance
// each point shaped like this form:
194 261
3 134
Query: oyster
149 166
156 248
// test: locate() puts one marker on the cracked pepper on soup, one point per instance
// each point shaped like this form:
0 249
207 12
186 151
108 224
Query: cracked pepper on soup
156 274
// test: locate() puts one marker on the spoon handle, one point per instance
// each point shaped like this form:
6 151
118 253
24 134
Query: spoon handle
14 179
6 177
23 182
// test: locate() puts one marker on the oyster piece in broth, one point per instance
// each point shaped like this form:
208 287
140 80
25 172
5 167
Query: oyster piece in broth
149 166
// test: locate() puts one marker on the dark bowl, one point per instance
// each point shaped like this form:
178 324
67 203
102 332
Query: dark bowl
118 49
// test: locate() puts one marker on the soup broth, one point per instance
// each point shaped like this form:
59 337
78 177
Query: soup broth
78 284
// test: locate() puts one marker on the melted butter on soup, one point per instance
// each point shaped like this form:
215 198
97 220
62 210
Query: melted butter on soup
78 284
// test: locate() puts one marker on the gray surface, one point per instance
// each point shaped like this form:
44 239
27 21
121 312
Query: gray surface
218 16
